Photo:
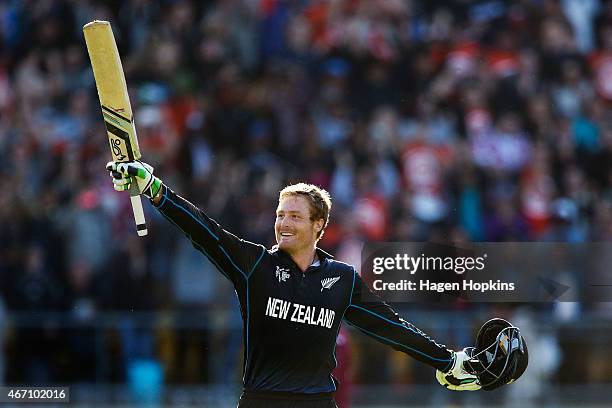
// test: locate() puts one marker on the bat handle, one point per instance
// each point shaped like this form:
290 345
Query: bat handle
141 226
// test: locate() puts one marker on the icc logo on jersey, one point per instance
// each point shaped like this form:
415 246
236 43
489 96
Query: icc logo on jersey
282 274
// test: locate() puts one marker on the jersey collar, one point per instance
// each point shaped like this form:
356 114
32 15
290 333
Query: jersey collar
320 253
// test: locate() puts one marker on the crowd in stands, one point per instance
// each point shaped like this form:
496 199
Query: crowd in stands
465 121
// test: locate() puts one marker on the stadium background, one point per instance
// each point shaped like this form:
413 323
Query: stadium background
437 120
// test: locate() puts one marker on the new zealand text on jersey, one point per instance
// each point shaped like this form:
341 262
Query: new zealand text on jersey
282 309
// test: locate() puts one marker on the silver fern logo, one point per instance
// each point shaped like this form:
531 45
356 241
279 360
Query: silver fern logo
328 282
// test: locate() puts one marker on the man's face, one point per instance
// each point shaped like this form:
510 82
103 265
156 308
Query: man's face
293 228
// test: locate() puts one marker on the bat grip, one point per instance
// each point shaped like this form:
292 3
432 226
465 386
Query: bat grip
141 226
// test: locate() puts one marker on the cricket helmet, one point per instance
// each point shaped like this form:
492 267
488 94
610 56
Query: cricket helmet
500 356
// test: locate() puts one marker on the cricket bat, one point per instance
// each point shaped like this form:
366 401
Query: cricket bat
115 102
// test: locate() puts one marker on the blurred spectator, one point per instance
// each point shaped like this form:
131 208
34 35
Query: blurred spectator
3 335
424 119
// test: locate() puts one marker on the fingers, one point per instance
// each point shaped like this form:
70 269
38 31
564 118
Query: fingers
458 378
466 383
122 184
120 172
134 168
120 168
123 168
121 180
131 169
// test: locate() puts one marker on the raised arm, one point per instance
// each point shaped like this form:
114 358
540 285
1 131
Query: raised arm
234 257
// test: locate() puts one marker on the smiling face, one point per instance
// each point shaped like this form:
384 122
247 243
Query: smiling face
294 229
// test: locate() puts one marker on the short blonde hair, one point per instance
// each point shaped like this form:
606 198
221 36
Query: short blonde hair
318 199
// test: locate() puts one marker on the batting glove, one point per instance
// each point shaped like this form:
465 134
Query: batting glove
124 175
457 378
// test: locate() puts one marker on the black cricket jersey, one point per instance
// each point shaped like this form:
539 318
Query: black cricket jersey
291 319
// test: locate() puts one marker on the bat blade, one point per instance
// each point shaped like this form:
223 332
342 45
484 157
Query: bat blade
115 102
112 90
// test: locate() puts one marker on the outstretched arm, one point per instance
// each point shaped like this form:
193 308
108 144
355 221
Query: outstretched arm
379 321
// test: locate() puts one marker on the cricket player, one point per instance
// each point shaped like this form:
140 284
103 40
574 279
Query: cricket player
293 297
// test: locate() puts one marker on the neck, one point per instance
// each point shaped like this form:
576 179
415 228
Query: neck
304 258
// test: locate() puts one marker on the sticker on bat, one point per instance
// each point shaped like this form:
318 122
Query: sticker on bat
116 146
115 142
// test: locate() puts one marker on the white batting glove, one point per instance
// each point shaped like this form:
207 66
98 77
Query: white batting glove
125 174
457 378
